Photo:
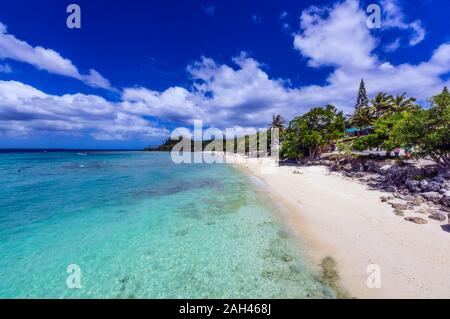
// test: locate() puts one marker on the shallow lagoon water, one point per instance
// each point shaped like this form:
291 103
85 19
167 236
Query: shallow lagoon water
140 226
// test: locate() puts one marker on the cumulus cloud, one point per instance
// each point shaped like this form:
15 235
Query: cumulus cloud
243 93
45 59
239 94
336 36
175 104
25 110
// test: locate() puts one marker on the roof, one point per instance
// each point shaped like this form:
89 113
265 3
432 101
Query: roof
356 129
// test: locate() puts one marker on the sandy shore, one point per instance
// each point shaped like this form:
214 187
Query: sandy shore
342 218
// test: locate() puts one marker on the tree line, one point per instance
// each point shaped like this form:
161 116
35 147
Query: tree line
386 122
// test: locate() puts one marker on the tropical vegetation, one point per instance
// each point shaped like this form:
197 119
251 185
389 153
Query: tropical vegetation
386 122
306 135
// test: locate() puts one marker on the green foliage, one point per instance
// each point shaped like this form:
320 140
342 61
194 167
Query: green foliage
365 142
400 103
405 124
307 134
428 130
383 133
382 105
362 117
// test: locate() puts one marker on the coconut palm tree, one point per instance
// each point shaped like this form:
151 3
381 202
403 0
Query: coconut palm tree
363 117
381 104
277 122
400 103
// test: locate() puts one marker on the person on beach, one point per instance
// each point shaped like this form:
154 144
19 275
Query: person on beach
397 151
408 151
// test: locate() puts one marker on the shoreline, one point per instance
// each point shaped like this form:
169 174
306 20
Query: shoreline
340 217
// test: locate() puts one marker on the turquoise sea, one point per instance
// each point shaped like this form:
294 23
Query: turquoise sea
139 226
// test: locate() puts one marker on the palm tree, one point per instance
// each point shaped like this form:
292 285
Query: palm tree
381 104
277 122
400 103
362 117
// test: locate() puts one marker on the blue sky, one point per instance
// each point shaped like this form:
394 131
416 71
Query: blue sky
138 69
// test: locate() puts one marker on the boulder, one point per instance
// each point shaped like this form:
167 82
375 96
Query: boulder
416 190
445 174
438 179
416 220
424 184
370 166
445 200
434 197
383 199
408 198
418 200
438 216
347 167
412 184
434 186
384 169
399 206
399 213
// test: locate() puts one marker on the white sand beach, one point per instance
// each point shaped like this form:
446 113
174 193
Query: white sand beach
342 218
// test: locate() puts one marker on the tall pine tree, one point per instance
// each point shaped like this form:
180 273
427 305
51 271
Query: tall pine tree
362 101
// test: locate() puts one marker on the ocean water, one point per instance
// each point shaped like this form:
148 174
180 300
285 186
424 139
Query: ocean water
139 226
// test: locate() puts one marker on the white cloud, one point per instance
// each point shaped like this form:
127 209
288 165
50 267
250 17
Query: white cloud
25 110
395 18
175 103
245 95
336 36
45 59
239 94
419 33
256 18
95 79
283 15
329 38
393 46
5 68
